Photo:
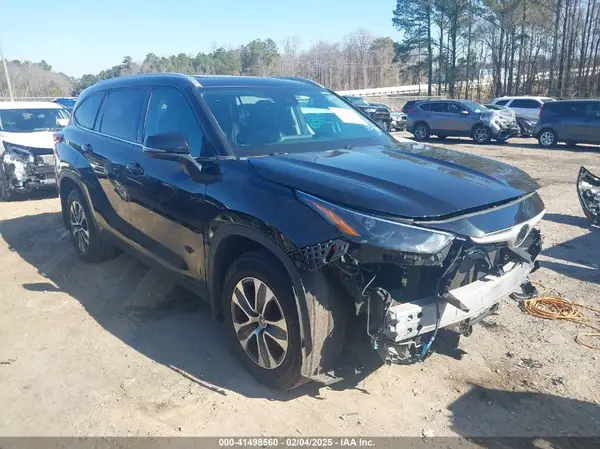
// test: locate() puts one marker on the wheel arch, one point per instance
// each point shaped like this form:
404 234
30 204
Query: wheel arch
67 182
320 347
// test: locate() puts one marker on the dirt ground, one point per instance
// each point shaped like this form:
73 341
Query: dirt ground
116 349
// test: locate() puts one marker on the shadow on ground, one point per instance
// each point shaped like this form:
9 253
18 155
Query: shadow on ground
578 257
483 414
145 309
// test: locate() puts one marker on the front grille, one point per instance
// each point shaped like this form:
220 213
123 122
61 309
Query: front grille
479 261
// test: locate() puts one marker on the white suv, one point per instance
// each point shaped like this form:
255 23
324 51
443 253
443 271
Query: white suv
525 106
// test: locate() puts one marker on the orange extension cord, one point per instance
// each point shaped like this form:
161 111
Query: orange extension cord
553 308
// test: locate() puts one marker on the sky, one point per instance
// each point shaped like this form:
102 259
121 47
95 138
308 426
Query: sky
87 36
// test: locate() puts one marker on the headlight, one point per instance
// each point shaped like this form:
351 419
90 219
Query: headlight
370 110
367 229
16 153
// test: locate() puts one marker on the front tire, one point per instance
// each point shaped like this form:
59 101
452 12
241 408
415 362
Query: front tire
548 138
482 135
421 132
87 241
259 310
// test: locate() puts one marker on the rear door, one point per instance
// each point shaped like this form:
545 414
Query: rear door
115 146
528 107
438 118
167 205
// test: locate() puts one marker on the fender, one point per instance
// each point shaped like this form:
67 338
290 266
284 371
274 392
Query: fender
321 344
69 172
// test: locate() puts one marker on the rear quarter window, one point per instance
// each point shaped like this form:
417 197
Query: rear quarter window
86 113
502 102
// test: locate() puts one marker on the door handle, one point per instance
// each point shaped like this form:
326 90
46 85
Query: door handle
135 168
87 148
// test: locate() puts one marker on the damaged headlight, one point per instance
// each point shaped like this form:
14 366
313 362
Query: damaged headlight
16 154
367 229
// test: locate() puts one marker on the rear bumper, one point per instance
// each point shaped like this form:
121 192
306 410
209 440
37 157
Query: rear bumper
409 320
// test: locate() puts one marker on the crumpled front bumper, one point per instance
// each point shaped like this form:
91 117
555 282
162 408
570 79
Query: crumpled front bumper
412 319
22 176
503 133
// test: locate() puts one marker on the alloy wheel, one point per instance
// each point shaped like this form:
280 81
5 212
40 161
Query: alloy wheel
481 134
259 323
547 138
79 226
421 132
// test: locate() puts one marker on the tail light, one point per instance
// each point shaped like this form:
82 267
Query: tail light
58 137
541 112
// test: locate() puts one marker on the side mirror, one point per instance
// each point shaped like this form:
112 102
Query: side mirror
167 146
463 112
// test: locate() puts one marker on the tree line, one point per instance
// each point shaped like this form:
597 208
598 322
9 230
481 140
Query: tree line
489 48
459 48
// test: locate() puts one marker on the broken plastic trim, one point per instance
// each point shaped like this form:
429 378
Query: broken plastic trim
588 191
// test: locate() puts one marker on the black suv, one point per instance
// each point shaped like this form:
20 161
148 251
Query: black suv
297 218
377 112
570 121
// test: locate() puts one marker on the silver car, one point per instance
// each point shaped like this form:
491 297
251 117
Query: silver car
461 118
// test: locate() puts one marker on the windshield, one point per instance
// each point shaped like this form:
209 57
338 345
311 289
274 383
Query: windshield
30 120
265 120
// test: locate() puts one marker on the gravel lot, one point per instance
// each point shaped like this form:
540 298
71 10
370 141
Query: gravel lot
117 349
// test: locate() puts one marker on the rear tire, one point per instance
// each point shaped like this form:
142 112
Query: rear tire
548 138
482 135
266 336
421 132
87 240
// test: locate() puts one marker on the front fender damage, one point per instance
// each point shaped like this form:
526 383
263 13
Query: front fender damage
401 301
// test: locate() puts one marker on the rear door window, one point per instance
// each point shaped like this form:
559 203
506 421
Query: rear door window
170 112
86 112
525 103
122 111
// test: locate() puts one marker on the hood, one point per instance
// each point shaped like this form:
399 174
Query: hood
38 139
408 180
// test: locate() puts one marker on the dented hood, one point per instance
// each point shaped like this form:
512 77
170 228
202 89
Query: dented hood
38 139
408 180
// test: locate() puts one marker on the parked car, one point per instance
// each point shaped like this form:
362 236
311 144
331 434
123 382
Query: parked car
67 103
588 191
525 106
295 222
445 118
26 142
526 124
399 120
410 105
570 121
379 114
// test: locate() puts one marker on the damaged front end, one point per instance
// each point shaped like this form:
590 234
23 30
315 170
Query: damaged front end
25 168
502 123
408 282
588 191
